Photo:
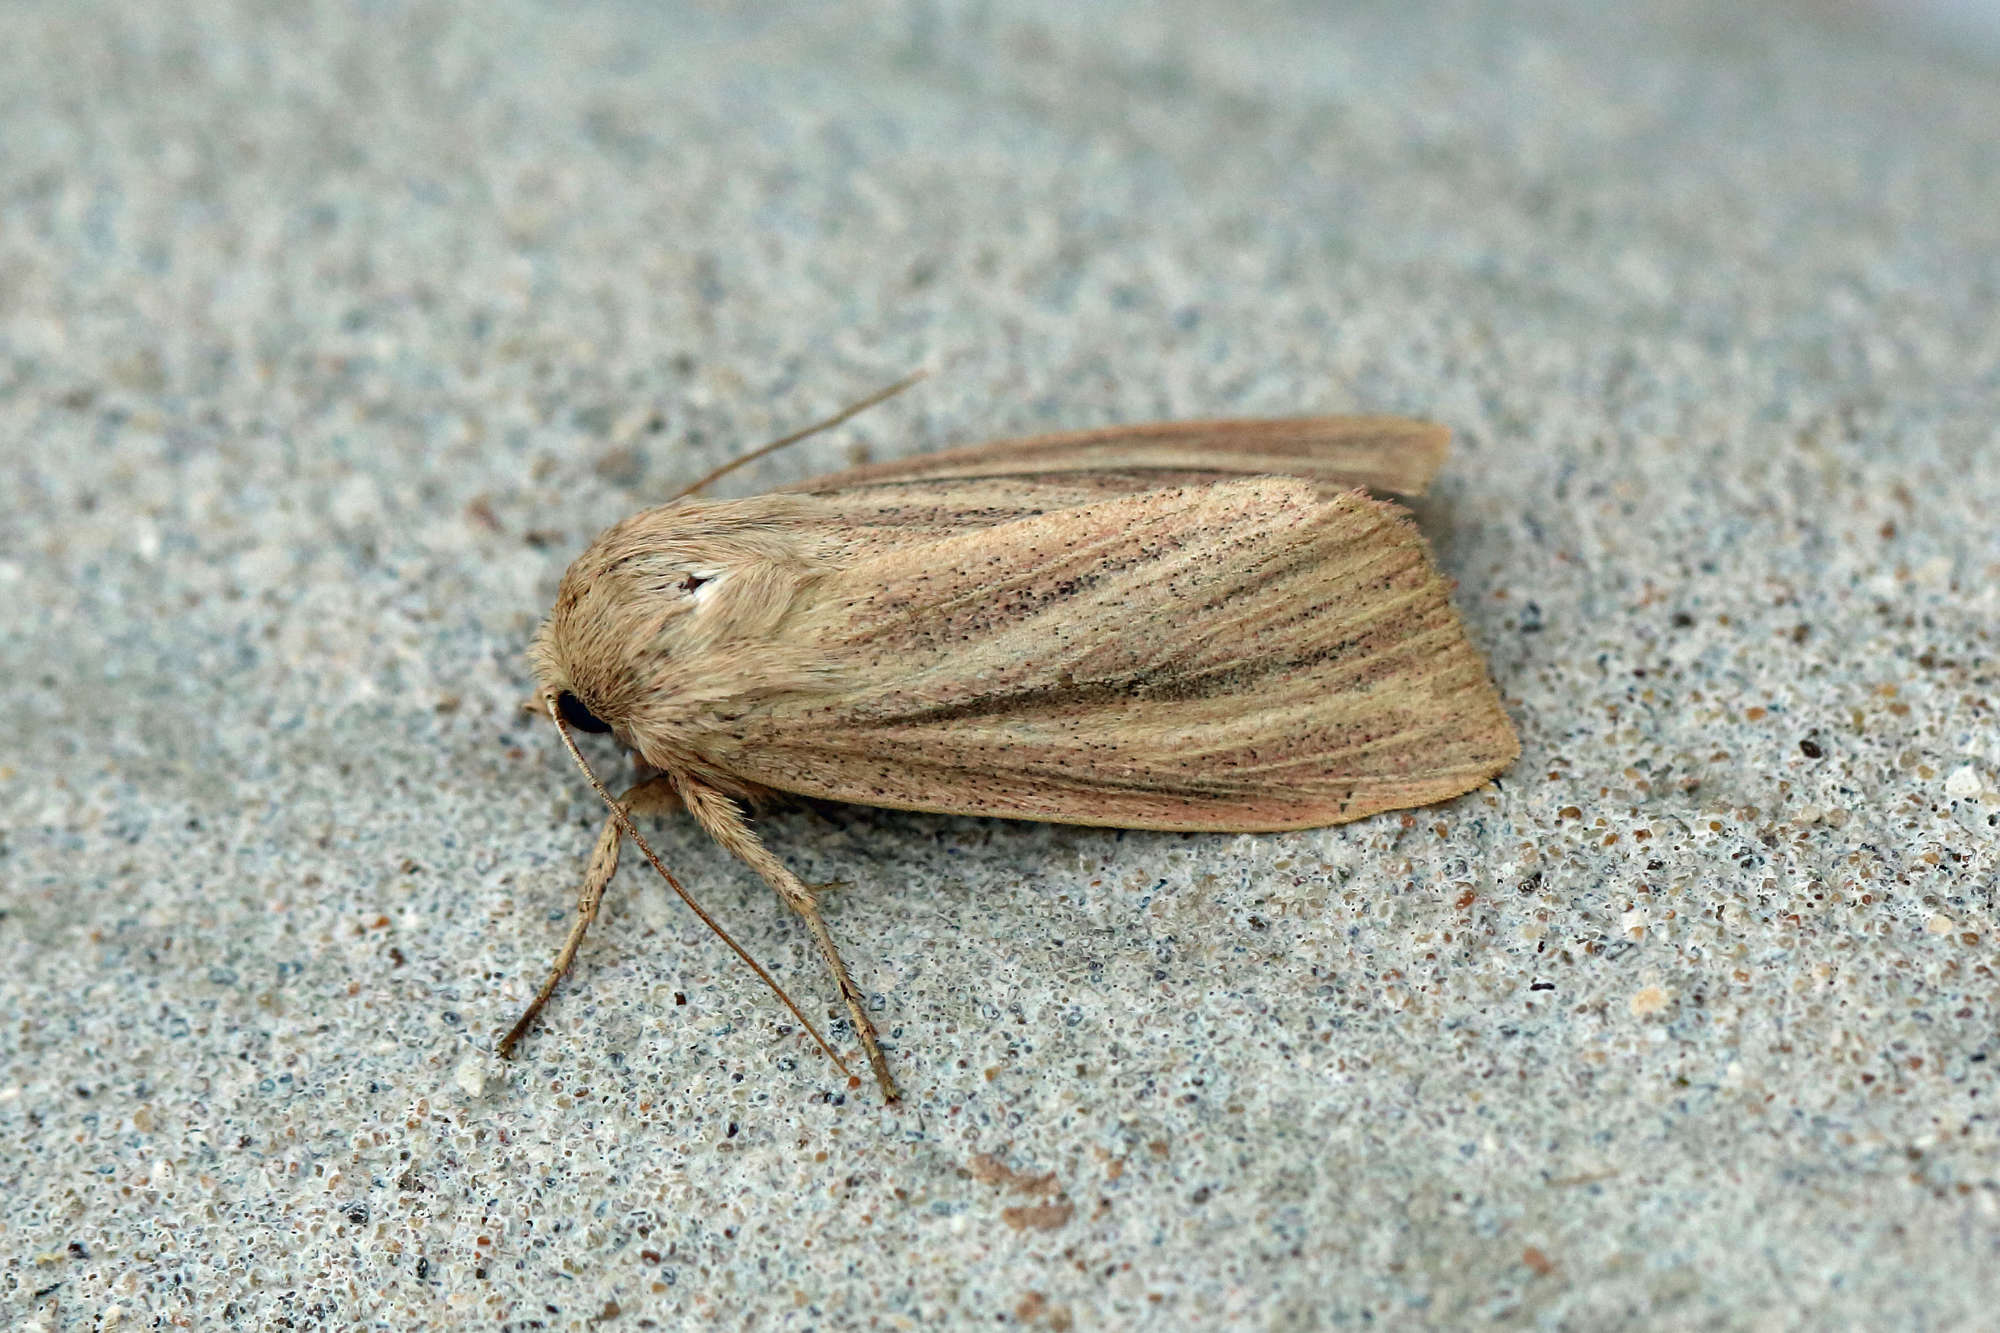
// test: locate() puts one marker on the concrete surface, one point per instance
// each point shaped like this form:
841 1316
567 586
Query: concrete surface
330 332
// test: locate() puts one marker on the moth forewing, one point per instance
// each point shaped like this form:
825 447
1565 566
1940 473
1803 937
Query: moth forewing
1235 656
1204 628
1392 454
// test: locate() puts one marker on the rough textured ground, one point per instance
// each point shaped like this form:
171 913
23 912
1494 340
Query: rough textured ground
331 332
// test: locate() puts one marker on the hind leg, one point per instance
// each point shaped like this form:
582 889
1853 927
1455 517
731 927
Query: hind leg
723 819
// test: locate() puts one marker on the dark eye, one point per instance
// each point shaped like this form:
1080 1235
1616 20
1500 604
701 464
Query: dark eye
574 713
691 582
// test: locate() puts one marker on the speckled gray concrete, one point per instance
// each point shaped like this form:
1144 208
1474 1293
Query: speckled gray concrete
329 339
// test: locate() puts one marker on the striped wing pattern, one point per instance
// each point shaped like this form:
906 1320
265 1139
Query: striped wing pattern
1242 655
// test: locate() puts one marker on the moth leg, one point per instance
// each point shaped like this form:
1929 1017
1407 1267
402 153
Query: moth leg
653 797
723 819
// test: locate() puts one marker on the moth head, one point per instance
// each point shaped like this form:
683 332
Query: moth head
658 614
616 633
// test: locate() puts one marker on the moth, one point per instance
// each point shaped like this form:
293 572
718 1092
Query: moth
1206 626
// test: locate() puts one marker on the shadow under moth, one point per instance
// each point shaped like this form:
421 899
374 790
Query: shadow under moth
1197 626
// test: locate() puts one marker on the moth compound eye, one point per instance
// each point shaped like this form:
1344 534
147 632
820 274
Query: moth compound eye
574 713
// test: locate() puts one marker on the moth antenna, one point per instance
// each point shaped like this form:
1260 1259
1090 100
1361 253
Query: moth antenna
631 830
843 414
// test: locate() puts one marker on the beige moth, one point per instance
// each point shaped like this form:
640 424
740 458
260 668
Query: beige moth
1199 626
